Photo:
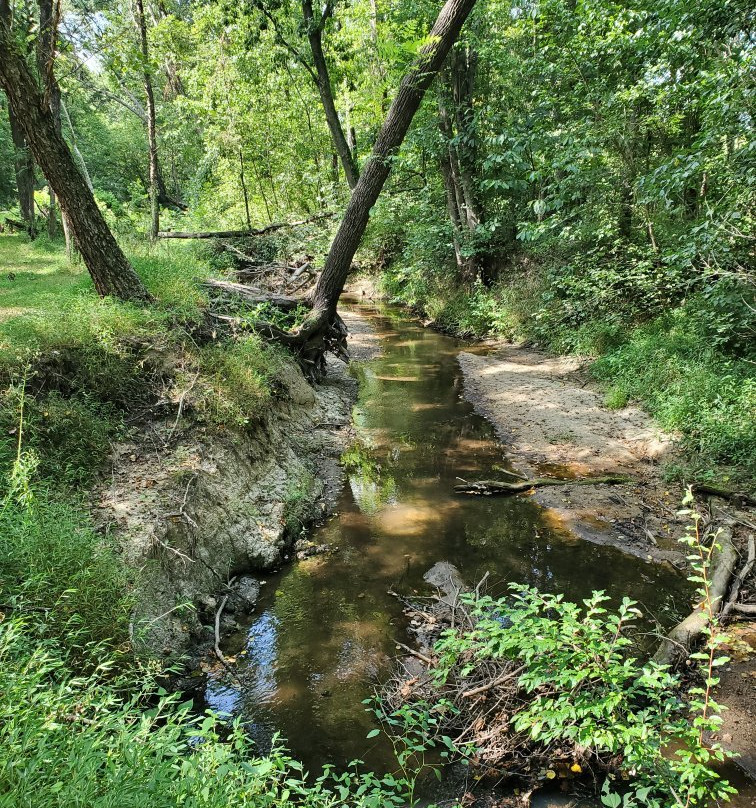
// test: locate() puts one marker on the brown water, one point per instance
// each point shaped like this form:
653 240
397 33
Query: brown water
326 628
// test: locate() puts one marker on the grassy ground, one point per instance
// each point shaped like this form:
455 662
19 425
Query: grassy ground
76 374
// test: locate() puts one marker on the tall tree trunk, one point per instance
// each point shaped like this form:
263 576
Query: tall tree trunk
456 121
24 168
155 176
243 181
451 186
23 159
111 272
315 38
46 44
323 329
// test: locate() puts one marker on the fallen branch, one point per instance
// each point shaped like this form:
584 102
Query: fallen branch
676 646
740 578
420 656
489 488
505 677
14 223
748 609
218 614
253 296
736 497
242 233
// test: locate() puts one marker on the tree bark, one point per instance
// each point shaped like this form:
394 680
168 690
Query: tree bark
459 160
323 81
323 329
155 178
111 272
23 160
24 168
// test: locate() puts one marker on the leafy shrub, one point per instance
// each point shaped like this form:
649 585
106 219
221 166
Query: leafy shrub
576 695
236 380
54 566
689 387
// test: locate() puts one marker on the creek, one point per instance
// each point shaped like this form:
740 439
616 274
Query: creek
326 628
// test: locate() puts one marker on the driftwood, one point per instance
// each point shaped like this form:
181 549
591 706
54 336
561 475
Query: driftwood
489 488
736 497
740 578
676 646
242 233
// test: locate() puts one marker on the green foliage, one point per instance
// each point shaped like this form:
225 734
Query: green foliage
689 386
235 380
56 569
586 690
68 739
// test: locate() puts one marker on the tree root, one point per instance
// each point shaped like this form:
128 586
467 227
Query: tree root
489 488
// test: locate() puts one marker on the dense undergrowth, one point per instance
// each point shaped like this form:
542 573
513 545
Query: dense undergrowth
684 352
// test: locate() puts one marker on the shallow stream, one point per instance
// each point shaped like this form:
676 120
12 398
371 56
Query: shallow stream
326 627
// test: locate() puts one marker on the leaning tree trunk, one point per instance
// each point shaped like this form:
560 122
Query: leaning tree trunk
111 272
323 329
315 38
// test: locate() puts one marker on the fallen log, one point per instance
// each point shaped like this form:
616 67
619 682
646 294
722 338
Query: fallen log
676 646
489 488
242 233
15 224
745 571
736 497
252 295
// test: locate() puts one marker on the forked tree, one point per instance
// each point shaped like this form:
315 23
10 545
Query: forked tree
323 329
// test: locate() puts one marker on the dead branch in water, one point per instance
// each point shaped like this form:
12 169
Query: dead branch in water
489 488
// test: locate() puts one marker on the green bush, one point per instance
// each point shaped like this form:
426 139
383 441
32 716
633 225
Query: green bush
54 567
689 386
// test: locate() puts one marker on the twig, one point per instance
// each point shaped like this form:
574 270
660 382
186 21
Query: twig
476 691
181 407
218 614
421 657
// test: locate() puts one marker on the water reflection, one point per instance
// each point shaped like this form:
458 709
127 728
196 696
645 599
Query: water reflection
327 627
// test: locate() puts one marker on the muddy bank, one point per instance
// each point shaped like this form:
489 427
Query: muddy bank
194 509
553 423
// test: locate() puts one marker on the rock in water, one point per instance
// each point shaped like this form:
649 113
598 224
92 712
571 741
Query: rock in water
446 578
245 595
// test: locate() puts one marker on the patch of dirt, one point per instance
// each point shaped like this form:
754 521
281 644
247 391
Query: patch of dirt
554 424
